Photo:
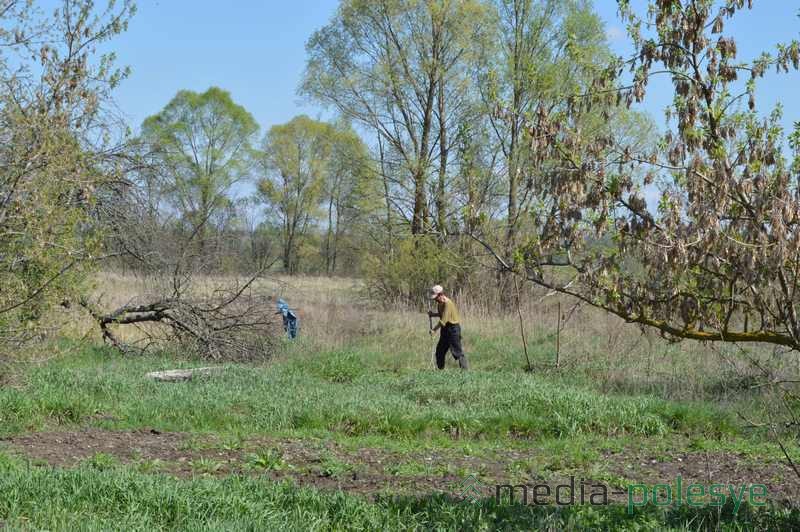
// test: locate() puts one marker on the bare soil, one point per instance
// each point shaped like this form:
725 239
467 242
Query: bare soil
373 472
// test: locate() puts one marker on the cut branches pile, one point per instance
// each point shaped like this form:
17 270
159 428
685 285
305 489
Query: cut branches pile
230 326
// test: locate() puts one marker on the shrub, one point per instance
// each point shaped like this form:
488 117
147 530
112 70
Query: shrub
406 273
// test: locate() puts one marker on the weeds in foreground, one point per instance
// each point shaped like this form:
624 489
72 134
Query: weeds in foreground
90 499
267 460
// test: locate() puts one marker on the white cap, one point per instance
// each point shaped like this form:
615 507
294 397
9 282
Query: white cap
436 290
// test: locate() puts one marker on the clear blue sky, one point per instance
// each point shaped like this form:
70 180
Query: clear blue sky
255 49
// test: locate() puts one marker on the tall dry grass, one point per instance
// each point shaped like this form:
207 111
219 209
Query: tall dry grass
595 348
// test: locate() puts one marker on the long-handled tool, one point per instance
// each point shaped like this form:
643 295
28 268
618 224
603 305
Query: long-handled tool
430 332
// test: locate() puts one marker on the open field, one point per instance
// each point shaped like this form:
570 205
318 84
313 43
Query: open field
608 191
350 428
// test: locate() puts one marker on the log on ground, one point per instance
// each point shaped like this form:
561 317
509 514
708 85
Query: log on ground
176 375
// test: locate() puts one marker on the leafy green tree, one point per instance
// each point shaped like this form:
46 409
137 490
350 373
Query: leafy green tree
204 143
56 155
544 51
349 191
295 162
393 66
316 175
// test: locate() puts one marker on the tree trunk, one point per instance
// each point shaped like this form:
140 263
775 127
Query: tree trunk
386 196
287 253
419 223
440 190
521 8
329 237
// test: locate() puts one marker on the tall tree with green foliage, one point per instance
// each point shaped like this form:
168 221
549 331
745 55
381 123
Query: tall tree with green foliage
204 142
348 190
315 174
391 65
294 163
544 51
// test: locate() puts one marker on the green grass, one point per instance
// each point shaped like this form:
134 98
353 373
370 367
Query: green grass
358 399
88 498
339 392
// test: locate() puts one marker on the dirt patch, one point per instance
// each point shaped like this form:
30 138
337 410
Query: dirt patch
708 468
373 472
308 462
64 449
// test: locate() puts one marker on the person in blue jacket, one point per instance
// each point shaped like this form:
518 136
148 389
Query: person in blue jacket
290 321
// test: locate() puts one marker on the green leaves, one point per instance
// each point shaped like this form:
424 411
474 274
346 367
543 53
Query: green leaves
55 157
204 143
305 163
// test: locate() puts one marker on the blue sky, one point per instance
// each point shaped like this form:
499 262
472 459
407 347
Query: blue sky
255 49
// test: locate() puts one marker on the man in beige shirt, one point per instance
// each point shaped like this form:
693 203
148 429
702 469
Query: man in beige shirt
450 325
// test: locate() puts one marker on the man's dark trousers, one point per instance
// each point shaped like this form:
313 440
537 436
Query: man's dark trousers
450 338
